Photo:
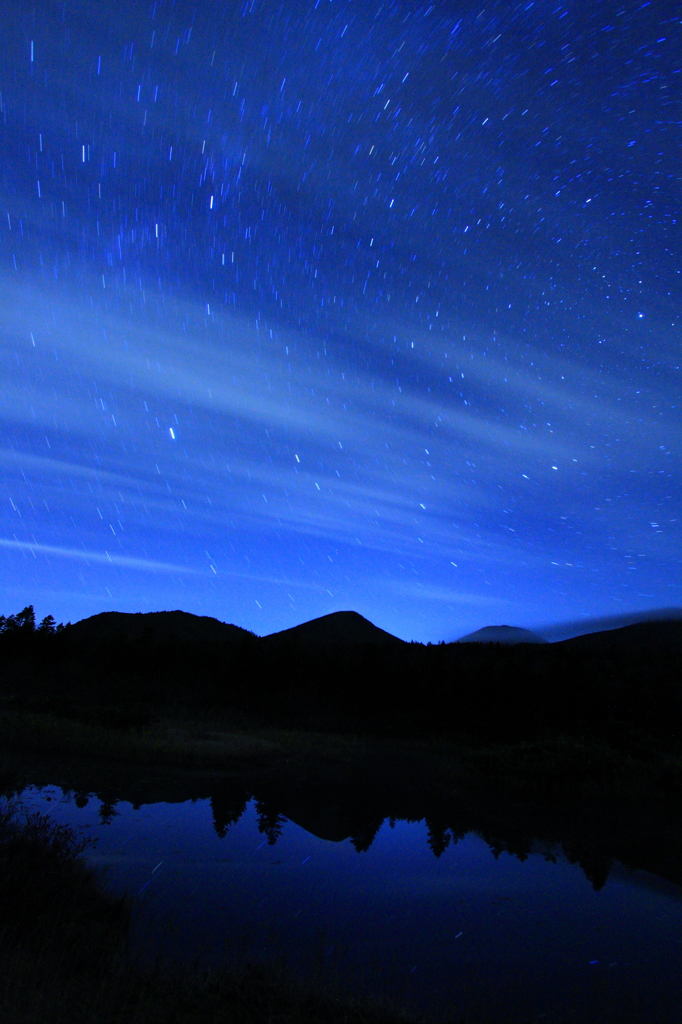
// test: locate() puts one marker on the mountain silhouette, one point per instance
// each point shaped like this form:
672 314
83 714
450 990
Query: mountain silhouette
656 633
336 628
502 635
340 673
349 627
156 627
554 631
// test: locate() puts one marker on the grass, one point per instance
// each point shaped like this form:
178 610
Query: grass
192 741
50 902
555 765
571 763
192 745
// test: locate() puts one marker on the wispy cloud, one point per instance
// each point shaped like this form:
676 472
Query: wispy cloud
123 561
445 595
389 464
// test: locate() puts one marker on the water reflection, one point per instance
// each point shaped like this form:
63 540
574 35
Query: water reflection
593 837
424 908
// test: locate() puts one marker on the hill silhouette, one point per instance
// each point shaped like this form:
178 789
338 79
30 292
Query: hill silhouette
336 628
569 629
638 635
341 673
157 627
502 635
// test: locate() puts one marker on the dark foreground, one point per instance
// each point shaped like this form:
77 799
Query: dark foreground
621 688
63 947
65 941
577 744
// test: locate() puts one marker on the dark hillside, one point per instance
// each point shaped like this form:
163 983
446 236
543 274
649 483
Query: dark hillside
341 673
502 635
336 628
639 635
155 627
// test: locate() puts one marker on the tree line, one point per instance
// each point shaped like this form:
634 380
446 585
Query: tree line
629 696
24 623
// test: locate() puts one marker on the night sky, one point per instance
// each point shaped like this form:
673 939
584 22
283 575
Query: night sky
311 305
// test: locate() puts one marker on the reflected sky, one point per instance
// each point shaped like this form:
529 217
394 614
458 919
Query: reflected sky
464 929
328 305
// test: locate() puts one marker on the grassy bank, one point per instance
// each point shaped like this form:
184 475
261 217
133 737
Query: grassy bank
168 742
199 742
568 763
557 764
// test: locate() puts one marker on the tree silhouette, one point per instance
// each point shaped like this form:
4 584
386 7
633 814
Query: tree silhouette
107 809
227 809
270 821
438 836
24 621
364 837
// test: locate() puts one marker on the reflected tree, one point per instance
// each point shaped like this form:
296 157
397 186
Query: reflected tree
227 807
438 836
595 863
107 809
515 845
364 837
270 821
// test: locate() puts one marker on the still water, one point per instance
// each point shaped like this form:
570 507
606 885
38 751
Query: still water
465 930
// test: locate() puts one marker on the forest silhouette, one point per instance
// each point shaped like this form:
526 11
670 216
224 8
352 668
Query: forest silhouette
620 687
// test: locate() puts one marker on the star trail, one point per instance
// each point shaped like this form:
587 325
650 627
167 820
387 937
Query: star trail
331 304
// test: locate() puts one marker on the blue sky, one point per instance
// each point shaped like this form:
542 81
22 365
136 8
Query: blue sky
330 305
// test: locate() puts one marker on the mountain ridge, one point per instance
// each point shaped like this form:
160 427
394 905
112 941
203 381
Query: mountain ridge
343 627
337 627
157 626
502 635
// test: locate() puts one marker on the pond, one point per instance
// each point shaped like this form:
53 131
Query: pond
439 919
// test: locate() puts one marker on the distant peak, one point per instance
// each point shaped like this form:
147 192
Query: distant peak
337 627
346 616
502 635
